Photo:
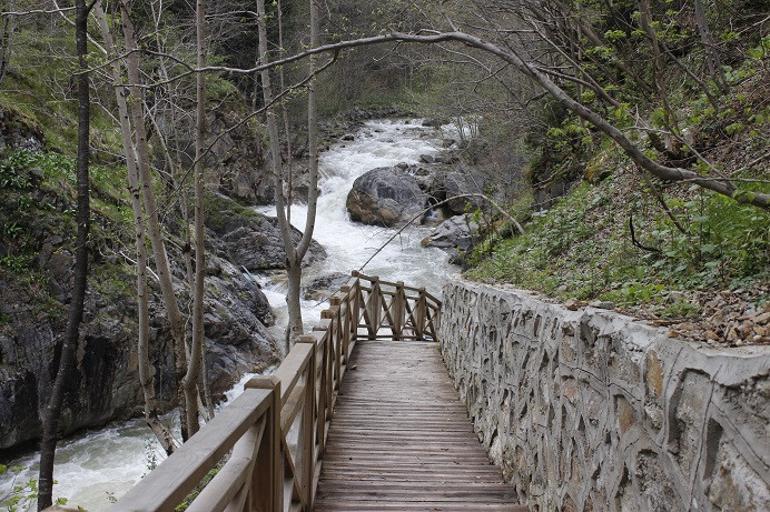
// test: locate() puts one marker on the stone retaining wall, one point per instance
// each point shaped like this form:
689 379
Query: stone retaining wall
589 410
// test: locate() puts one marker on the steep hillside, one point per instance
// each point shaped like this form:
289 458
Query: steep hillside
36 258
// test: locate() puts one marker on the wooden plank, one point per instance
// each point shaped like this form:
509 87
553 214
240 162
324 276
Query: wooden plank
400 439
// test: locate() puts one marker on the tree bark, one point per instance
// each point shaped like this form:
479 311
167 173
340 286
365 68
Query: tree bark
285 113
294 265
163 269
190 381
295 314
712 55
146 376
6 33
52 412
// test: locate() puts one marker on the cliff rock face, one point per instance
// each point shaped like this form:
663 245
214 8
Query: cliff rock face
105 385
591 410
36 270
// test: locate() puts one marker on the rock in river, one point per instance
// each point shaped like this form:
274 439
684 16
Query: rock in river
455 235
385 196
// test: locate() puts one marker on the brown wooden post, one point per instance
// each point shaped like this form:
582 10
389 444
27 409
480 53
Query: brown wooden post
334 340
341 329
306 441
374 308
420 314
398 311
267 476
356 305
323 407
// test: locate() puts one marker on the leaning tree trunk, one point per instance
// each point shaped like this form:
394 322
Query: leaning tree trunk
146 378
190 381
136 110
52 412
295 313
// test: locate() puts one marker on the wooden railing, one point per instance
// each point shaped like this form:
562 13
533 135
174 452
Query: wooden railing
275 432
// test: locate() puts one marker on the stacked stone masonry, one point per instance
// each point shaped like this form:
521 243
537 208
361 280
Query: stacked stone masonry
590 410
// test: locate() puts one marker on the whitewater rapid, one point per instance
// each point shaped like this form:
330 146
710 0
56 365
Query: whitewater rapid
97 467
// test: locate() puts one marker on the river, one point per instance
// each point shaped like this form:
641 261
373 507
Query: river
98 466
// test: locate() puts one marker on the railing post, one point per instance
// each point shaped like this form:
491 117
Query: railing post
342 326
306 442
356 304
333 338
398 311
374 308
420 314
267 476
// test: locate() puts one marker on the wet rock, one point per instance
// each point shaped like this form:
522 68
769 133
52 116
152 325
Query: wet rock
324 286
238 159
348 137
385 196
435 122
18 132
454 234
105 384
451 183
249 239
426 159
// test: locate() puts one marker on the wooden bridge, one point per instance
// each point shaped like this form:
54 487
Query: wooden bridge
350 421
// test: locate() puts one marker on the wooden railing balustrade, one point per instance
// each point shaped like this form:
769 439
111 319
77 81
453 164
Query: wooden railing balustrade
275 432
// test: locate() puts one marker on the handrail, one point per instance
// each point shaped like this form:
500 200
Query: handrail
276 430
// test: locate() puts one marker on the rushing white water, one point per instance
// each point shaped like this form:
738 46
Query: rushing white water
99 466
349 245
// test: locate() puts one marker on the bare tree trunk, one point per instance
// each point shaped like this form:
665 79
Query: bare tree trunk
285 114
146 377
151 207
712 55
52 412
657 67
295 314
6 32
190 382
294 268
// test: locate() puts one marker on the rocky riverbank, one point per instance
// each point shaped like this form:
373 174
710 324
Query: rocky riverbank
36 273
426 193
36 267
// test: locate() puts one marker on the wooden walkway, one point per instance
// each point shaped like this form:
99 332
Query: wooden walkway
400 439
345 423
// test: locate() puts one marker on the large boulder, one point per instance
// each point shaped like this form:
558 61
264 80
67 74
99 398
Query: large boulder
385 196
455 182
456 236
324 286
249 239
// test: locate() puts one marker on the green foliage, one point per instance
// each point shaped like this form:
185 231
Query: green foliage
581 248
21 495
194 494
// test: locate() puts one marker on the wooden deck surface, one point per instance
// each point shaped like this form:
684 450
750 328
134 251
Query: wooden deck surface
400 439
